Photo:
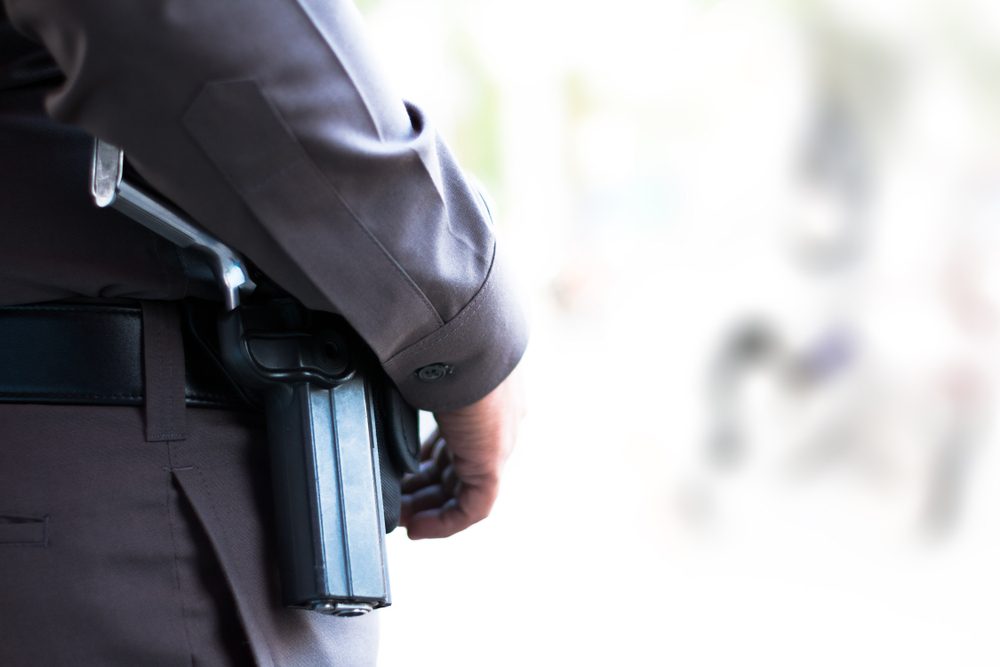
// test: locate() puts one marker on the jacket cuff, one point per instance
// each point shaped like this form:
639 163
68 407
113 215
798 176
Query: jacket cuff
467 357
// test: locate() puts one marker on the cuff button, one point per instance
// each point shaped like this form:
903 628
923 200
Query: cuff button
434 372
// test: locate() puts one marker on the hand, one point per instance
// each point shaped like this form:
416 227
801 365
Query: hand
459 476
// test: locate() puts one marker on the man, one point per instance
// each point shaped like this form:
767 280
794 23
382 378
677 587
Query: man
139 535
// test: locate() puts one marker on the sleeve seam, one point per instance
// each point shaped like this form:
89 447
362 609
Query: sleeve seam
446 331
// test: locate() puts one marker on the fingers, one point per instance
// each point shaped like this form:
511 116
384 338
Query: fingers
435 460
423 500
428 445
453 515
432 488
436 503
459 476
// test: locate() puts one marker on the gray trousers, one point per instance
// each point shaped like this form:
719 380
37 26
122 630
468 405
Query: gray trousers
119 547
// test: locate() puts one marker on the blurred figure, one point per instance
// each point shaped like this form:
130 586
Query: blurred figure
911 432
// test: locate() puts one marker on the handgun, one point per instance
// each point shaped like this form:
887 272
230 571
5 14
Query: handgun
329 409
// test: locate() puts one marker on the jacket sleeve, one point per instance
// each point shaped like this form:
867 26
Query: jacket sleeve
267 122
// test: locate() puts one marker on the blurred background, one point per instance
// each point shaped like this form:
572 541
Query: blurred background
759 241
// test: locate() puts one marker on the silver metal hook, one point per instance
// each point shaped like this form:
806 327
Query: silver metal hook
108 188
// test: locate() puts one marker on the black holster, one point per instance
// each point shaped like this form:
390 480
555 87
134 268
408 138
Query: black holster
340 439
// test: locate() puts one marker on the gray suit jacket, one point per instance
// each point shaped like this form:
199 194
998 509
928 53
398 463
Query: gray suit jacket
268 123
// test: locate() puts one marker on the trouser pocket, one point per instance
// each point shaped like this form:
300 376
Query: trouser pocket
24 531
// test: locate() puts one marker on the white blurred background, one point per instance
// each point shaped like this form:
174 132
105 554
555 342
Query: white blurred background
759 241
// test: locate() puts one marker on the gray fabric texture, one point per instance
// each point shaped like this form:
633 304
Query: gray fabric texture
268 123
119 551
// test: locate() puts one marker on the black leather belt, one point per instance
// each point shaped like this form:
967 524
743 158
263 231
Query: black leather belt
91 354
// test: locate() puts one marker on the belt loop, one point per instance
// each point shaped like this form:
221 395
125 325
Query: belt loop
163 371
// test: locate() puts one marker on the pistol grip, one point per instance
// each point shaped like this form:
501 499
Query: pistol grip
327 487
